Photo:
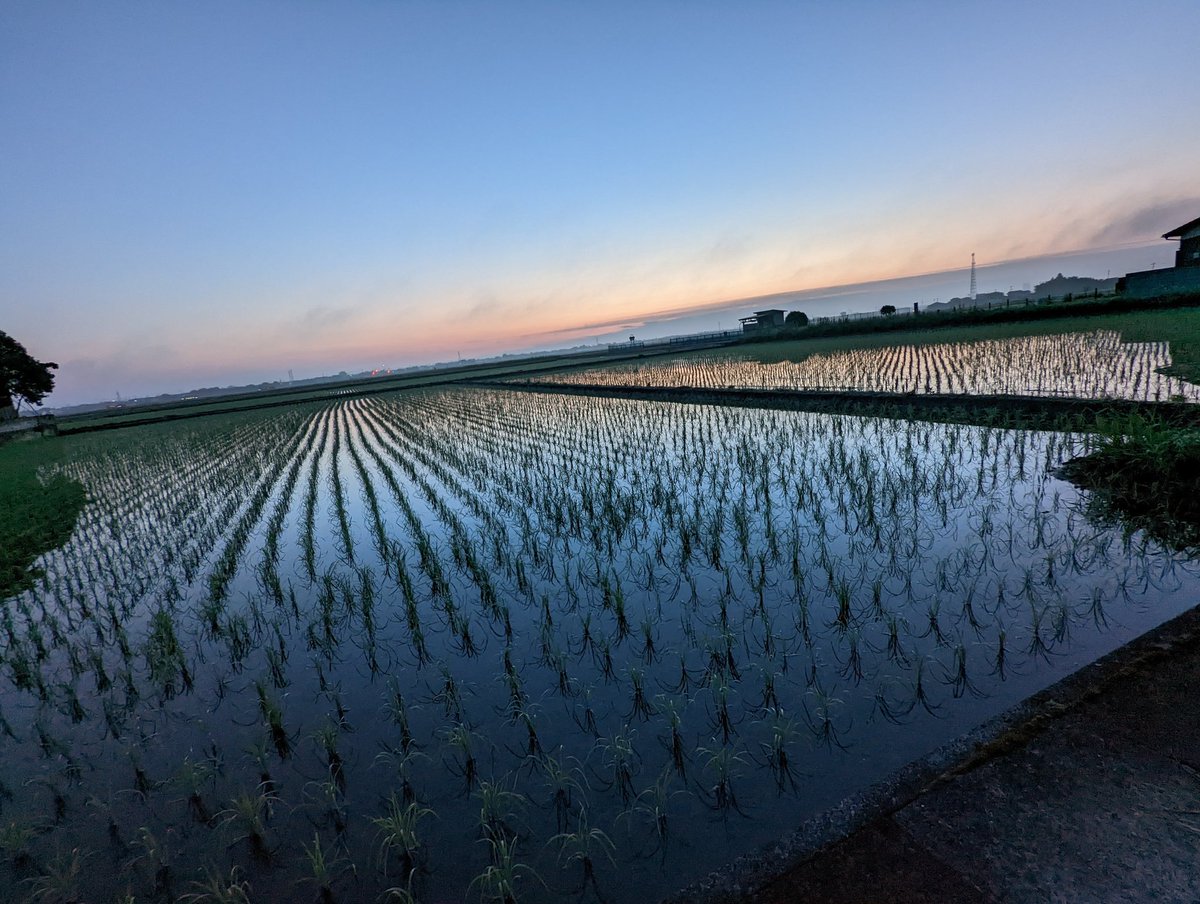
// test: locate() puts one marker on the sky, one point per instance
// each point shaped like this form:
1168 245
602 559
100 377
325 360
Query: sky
199 194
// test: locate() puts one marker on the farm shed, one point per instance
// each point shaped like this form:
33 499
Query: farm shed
1183 277
1188 235
761 320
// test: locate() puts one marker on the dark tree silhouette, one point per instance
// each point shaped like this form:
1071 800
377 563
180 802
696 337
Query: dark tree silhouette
887 310
796 318
23 378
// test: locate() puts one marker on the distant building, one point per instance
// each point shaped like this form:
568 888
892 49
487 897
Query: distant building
1188 234
1019 295
763 320
1183 278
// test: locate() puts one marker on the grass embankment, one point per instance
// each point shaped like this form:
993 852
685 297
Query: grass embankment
1145 474
36 515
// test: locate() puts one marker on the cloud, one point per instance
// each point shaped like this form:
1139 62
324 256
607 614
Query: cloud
1148 222
597 326
325 316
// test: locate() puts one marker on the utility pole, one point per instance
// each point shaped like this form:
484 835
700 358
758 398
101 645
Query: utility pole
972 276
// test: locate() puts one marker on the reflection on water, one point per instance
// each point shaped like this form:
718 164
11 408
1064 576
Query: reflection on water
476 640
1093 365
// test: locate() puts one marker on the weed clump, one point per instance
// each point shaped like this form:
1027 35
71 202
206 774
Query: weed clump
1145 475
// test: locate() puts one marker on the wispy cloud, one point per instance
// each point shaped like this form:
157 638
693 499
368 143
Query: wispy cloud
325 316
1147 222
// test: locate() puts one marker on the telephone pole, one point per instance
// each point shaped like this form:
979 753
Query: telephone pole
972 276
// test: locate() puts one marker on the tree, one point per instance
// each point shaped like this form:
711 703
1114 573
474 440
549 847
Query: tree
888 310
796 318
23 378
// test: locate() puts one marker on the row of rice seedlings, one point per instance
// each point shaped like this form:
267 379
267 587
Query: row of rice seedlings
227 563
1088 365
269 568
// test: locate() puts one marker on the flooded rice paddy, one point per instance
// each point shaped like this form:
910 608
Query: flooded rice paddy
1094 365
477 645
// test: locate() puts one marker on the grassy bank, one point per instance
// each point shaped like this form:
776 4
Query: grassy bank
36 515
1144 474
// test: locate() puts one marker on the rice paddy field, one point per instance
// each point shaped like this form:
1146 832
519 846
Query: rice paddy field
472 644
1098 364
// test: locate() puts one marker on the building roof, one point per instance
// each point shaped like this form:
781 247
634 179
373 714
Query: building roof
1178 232
771 311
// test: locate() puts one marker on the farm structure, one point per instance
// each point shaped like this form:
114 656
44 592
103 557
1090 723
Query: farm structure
1184 277
762 320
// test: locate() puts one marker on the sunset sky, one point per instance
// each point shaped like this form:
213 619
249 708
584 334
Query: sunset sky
197 194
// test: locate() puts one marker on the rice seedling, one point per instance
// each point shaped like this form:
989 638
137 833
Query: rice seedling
401 894
218 888
15 839
585 845
722 764
246 815
584 715
323 872
399 833
154 857
653 804
957 677
1038 648
720 716
641 707
59 879
821 717
776 750
502 878
621 763
272 716
194 777
499 808
564 783
461 741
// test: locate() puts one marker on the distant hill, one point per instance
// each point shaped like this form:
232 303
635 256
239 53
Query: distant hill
982 300
1073 285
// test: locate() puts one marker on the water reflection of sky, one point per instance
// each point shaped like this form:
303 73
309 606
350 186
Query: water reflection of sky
795 604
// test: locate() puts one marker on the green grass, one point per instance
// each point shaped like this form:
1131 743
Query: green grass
36 515
1146 475
1179 326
